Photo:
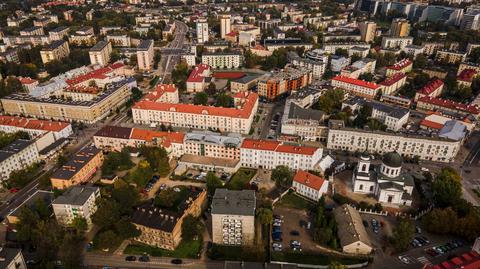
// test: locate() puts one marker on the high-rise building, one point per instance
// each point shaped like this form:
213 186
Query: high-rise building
471 19
400 27
225 24
367 30
202 31
100 53
145 55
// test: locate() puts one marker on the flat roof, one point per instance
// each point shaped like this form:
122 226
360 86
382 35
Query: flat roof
76 195
231 202
76 163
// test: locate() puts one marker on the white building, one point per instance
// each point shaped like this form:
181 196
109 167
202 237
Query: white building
199 78
356 86
145 55
202 31
222 59
17 156
100 53
316 66
391 42
77 202
386 181
55 51
225 25
309 185
270 154
119 40
34 127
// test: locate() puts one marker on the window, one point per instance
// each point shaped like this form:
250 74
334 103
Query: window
360 187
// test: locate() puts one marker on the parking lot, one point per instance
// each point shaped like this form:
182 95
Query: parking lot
291 229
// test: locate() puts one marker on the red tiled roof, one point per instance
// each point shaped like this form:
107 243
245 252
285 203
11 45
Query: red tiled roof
431 124
394 79
450 104
467 75
400 65
197 73
309 180
358 82
33 124
296 149
228 75
159 91
148 135
26 80
100 73
431 87
469 260
269 145
233 33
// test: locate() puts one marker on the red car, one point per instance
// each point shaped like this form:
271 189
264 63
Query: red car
14 190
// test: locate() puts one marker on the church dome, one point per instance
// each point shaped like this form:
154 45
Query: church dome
392 159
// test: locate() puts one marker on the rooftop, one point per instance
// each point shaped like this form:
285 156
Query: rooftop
33 124
350 226
14 148
76 195
357 82
230 202
99 46
76 163
308 179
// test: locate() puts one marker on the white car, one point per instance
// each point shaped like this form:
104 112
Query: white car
277 245
404 259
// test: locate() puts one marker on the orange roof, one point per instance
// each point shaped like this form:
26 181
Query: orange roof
197 73
159 91
296 149
431 87
270 145
394 79
27 80
100 73
309 180
358 82
401 64
33 124
473 109
431 124
148 135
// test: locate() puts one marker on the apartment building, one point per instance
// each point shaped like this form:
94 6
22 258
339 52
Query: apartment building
83 36
358 140
34 127
35 40
55 51
162 227
58 33
428 103
79 169
451 57
392 42
334 46
76 202
280 83
270 154
309 185
152 110
225 25
357 87
119 40
145 55
220 60
363 66
368 30
274 44
16 156
106 101
202 31
392 84
400 27
34 30
190 59
317 67
210 144
233 217
403 66
100 53
433 88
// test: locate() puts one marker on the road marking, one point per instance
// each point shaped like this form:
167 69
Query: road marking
424 260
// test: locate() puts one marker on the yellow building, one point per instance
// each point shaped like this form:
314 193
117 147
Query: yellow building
78 169
400 27
367 30
56 50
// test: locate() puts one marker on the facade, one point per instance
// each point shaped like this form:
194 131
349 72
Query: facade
404 66
309 185
202 31
356 86
221 60
451 57
100 53
12 258
368 30
391 42
433 88
270 154
386 181
16 156
152 110
119 40
280 83
76 202
34 127
358 140
392 84
225 25
331 48
79 169
353 236
145 55
400 27
199 79
58 33
162 227
55 51
428 103
233 217
317 67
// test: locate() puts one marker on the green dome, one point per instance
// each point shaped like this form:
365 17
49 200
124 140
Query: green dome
392 159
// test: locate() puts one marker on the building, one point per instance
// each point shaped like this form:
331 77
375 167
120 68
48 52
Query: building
225 25
332 47
471 19
337 63
152 110
162 227
403 66
309 185
433 88
77 202
34 30
428 103
244 83
386 181
356 86
451 57
189 59
269 154
221 60
400 27
466 76
202 31
58 33
17 155
79 169
353 236
233 217
363 66
273 44
280 83
468 260
145 55
368 30
199 79
392 42
359 140
100 53
392 84
317 67
118 40
55 51
12 258
34 127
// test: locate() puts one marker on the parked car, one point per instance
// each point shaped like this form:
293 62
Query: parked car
294 233
144 258
130 258
176 261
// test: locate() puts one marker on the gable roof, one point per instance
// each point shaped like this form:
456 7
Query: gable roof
310 180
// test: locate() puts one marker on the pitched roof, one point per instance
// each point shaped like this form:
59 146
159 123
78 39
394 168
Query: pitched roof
450 104
197 73
431 87
350 226
310 180
270 145
400 65
33 124
357 82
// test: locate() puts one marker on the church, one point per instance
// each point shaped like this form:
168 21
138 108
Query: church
386 181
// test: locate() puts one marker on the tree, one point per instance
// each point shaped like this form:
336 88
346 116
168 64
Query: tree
434 221
127 197
107 214
211 89
265 216
191 228
341 52
447 187
282 176
106 239
126 229
200 98
69 251
224 100
157 158
366 77
420 61
402 234
213 182
336 265
79 224
166 198
330 101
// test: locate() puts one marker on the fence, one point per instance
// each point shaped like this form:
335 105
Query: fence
371 211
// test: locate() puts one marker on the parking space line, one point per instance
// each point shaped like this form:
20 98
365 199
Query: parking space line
424 260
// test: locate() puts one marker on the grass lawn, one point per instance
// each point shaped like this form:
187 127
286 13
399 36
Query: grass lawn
190 250
240 179
312 258
292 200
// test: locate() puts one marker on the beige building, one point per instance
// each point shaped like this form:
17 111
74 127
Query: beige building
367 30
225 25
92 111
79 169
202 31
77 202
100 53
162 227
56 50
451 57
145 55
353 236
400 27
16 156
222 59
233 217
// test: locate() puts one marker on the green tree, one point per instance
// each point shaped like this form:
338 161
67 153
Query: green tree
69 250
213 182
434 221
447 187
106 239
330 101
107 214
366 77
126 229
224 100
402 234
420 61
80 225
282 176
211 89
265 216
191 228
127 197
200 98
166 198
